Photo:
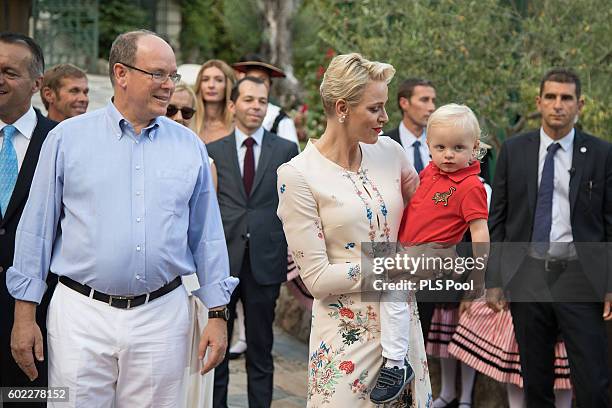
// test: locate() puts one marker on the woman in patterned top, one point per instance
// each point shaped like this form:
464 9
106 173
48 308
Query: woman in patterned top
349 187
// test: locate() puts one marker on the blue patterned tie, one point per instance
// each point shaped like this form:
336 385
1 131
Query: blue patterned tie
8 167
418 163
542 222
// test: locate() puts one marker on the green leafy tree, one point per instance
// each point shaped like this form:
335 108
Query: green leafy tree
487 54
116 17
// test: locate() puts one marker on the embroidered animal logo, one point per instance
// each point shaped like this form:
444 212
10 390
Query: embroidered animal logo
443 197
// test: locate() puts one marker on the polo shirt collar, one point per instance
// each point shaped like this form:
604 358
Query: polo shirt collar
459 175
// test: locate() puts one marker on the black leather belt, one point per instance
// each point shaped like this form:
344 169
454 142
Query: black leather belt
557 265
120 302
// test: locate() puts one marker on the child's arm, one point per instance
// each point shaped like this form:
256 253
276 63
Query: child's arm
480 250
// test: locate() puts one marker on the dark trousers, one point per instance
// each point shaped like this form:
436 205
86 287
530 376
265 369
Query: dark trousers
426 305
582 328
259 302
10 373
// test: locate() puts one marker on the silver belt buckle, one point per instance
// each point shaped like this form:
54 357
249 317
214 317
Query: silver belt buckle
128 298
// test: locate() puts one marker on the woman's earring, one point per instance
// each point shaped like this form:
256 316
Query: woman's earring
342 118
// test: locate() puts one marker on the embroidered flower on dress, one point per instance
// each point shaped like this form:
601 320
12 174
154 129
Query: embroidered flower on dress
346 312
358 385
283 188
324 372
354 273
349 245
317 224
354 325
347 366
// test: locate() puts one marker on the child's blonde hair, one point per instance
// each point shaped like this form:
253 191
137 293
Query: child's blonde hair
457 116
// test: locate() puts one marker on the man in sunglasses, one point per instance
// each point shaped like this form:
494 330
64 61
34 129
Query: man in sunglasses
137 210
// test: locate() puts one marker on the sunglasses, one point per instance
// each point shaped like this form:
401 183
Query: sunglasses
186 112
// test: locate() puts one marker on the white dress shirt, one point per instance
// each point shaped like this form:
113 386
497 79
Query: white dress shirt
286 127
21 139
561 229
407 139
241 149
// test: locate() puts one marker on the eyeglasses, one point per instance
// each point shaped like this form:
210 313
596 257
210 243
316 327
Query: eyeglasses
186 112
157 77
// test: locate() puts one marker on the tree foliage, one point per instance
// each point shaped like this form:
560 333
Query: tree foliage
488 54
116 17
223 29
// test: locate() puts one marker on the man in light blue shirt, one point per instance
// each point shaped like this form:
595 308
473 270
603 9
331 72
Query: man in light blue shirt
132 195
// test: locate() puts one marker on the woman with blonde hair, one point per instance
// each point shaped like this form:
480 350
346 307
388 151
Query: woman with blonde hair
347 188
213 87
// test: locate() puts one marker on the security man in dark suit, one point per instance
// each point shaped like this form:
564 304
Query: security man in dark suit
246 162
22 132
550 224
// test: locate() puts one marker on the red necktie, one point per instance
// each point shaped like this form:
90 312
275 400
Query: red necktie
248 173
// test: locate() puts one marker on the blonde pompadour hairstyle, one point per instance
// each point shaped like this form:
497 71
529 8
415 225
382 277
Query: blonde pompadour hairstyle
347 76
455 115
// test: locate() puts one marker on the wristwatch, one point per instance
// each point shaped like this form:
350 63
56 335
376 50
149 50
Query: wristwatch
219 314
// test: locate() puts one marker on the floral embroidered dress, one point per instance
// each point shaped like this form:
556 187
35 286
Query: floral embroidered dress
327 212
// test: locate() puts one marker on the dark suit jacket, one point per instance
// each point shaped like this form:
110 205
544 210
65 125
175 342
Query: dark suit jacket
515 189
8 229
253 218
394 134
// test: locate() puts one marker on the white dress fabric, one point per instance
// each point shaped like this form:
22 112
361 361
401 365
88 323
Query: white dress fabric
327 212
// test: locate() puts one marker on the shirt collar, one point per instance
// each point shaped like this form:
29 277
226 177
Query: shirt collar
241 136
566 142
403 130
459 175
119 123
25 124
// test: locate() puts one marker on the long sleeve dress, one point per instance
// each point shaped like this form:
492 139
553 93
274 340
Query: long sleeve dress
327 212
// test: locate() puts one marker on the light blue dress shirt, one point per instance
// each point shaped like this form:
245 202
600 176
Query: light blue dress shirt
135 211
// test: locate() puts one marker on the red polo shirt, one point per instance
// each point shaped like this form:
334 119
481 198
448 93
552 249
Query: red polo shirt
443 205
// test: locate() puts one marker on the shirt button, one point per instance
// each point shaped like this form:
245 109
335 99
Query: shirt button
138 248
137 277
2 231
1 269
138 193
137 167
138 219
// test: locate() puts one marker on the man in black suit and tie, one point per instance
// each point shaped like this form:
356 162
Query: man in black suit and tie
22 132
416 99
552 210
246 163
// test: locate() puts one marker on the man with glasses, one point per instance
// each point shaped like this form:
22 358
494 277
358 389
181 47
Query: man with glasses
137 210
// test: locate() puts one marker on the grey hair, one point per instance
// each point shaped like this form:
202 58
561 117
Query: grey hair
124 49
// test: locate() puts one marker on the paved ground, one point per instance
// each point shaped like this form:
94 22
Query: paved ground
290 374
